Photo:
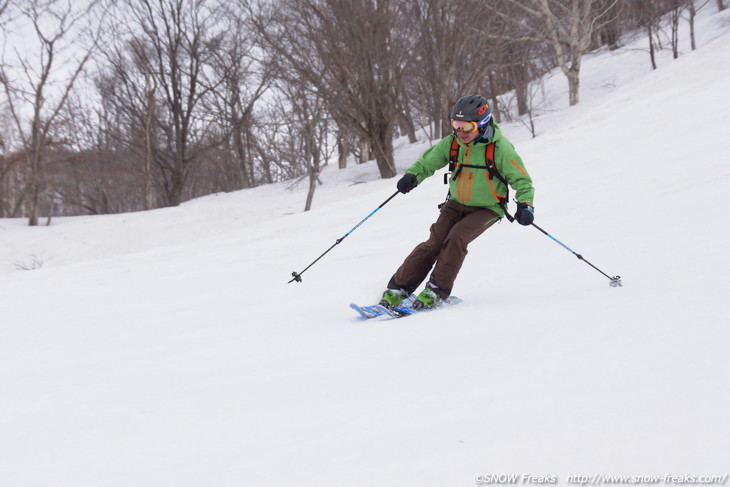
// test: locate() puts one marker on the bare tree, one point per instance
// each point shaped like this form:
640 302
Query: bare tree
129 109
94 176
350 54
566 26
242 81
451 56
168 42
3 7
37 84
609 32
148 112
692 8
8 167
677 7
306 139
513 59
6 162
4 159
649 16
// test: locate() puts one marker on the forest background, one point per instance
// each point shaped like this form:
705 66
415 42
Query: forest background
117 106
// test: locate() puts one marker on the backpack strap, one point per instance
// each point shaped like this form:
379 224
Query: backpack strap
494 173
453 161
491 167
453 158
453 153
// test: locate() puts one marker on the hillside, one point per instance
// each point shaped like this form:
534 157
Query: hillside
166 347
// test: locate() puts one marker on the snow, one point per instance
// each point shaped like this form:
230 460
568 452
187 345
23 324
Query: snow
168 348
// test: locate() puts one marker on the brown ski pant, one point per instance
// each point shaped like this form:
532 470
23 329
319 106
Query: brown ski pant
455 228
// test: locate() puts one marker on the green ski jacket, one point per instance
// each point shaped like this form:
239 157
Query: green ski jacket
472 186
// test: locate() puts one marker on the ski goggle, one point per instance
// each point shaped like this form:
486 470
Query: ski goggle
468 126
464 126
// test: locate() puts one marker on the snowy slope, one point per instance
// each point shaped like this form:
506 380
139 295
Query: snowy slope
166 348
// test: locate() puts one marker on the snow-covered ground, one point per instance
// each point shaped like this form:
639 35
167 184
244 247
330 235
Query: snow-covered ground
167 348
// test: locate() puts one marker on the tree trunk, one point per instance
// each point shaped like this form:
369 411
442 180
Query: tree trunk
652 55
385 164
495 107
36 147
521 85
240 151
176 189
676 13
573 75
573 87
148 156
342 153
33 204
313 176
383 149
692 15
365 151
406 124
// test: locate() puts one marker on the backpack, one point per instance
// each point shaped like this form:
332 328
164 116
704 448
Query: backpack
455 168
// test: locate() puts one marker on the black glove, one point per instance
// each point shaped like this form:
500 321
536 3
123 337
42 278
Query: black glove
525 214
407 183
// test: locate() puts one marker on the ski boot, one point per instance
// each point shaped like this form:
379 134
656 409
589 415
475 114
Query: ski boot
427 299
393 298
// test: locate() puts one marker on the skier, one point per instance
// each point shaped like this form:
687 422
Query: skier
481 162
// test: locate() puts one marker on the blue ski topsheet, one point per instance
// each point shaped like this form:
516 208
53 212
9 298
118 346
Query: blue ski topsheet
405 309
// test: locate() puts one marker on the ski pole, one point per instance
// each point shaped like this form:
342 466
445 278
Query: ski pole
298 275
615 281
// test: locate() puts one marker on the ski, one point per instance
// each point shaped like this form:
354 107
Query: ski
373 311
379 311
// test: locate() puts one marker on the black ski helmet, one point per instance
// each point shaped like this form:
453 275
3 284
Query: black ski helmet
472 108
